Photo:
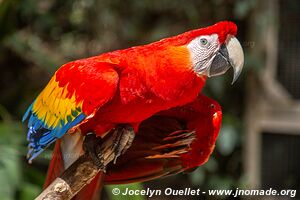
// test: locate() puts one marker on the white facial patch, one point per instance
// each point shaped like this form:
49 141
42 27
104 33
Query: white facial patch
203 50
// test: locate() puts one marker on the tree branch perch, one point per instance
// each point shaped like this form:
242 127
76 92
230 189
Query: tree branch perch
83 170
72 180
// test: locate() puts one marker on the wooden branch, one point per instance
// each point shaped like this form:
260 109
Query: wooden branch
73 179
81 172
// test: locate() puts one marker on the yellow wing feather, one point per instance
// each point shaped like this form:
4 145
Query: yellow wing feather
54 105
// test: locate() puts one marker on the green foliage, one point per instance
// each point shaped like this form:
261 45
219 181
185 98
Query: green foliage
10 166
29 191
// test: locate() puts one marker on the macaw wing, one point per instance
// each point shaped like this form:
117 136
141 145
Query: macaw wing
153 154
173 141
73 94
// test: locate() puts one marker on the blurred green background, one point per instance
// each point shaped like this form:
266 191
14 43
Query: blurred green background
37 36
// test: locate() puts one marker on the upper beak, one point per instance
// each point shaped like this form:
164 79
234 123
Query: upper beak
229 55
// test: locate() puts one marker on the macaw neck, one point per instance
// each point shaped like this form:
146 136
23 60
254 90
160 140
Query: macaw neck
166 71
151 56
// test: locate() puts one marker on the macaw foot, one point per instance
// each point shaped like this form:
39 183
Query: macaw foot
107 149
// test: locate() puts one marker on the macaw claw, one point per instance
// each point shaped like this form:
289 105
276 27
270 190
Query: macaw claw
104 150
90 144
123 137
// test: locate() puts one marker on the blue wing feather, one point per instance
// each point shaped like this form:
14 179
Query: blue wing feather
41 136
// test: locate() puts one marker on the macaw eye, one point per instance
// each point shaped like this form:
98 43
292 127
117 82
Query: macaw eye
212 106
203 41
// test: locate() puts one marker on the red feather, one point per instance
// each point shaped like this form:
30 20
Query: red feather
56 166
170 142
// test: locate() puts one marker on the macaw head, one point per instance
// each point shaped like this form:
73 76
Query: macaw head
213 50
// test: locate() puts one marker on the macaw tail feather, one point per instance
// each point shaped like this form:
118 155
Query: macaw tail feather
56 166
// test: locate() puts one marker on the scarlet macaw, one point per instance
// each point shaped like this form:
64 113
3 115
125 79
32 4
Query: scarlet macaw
121 89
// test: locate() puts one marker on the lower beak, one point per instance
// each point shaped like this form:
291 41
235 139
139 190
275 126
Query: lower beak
229 55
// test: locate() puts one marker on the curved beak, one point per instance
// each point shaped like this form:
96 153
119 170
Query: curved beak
229 55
